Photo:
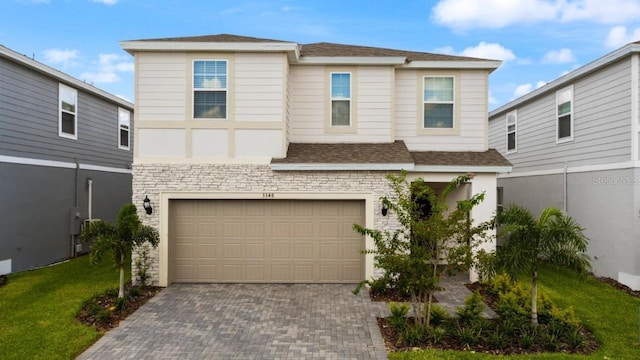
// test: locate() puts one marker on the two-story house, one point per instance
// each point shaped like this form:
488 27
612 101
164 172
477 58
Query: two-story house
259 155
65 157
573 144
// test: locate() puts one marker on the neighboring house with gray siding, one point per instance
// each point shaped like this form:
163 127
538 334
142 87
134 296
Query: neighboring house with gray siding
573 144
65 157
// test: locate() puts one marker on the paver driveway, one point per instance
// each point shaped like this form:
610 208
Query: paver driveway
248 321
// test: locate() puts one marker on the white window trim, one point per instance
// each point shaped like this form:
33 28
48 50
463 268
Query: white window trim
75 115
121 122
571 113
452 102
193 90
515 131
331 98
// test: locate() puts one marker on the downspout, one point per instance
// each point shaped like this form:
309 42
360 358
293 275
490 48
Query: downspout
75 205
564 207
90 196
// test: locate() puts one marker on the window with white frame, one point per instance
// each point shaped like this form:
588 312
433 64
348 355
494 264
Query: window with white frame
340 99
210 89
67 112
438 102
512 128
124 124
564 114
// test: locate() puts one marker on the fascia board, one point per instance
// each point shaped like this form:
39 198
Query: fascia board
342 167
462 169
570 77
62 77
352 60
133 46
488 65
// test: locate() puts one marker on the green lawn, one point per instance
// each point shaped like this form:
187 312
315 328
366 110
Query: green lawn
612 315
37 309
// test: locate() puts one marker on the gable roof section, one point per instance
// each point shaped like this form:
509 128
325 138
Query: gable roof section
317 53
386 156
569 78
61 77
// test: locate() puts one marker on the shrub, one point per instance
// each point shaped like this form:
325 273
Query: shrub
104 315
121 303
379 286
469 335
142 265
528 337
498 339
575 339
486 265
436 335
438 315
134 292
414 334
509 307
500 284
94 308
398 313
472 310
111 292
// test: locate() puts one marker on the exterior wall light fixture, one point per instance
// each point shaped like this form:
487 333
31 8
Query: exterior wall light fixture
146 204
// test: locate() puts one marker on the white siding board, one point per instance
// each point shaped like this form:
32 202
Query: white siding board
162 81
259 92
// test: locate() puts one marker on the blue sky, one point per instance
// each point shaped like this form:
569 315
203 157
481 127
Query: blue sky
537 40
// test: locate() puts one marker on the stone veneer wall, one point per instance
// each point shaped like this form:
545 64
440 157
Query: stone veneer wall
151 179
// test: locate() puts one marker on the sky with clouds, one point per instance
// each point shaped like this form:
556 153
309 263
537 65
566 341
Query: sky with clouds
537 40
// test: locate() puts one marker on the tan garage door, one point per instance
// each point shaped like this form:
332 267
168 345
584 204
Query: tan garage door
265 241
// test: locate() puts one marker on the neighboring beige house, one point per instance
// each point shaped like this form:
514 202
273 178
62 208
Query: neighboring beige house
258 155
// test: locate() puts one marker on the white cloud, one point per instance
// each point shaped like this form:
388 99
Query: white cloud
109 65
562 56
447 50
62 57
495 14
527 88
489 51
606 12
618 36
106 2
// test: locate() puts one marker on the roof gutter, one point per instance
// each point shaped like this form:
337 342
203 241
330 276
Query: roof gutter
490 65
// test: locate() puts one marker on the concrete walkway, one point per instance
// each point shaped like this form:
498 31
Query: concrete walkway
247 321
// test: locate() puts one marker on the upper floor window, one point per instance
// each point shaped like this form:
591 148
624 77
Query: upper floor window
564 114
210 89
438 102
67 112
340 99
124 124
512 128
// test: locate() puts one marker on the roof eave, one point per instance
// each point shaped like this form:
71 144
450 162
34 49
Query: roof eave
62 77
352 60
490 65
570 77
462 168
136 46
342 167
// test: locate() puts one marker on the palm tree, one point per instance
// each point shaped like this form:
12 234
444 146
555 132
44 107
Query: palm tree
119 239
553 237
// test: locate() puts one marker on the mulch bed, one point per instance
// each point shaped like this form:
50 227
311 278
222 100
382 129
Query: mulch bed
106 302
392 295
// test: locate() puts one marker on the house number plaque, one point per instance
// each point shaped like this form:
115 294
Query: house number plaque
268 195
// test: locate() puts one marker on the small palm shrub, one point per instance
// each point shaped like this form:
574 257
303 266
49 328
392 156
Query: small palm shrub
438 315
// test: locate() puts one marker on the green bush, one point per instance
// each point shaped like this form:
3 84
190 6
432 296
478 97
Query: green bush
112 292
472 310
469 334
398 313
379 286
104 315
528 336
438 315
575 339
436 335
121 303
414 334
134 292
500 284
498 339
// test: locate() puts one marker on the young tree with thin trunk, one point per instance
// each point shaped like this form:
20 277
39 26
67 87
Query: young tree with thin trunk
119 239
432 238
527 241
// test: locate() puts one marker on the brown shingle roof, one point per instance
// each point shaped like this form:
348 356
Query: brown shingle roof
353 153
322 48
222 38
333 50
490 157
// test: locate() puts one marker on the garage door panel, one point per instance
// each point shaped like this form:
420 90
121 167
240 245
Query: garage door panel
265 241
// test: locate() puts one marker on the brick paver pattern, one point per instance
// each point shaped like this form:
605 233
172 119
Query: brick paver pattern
248 321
